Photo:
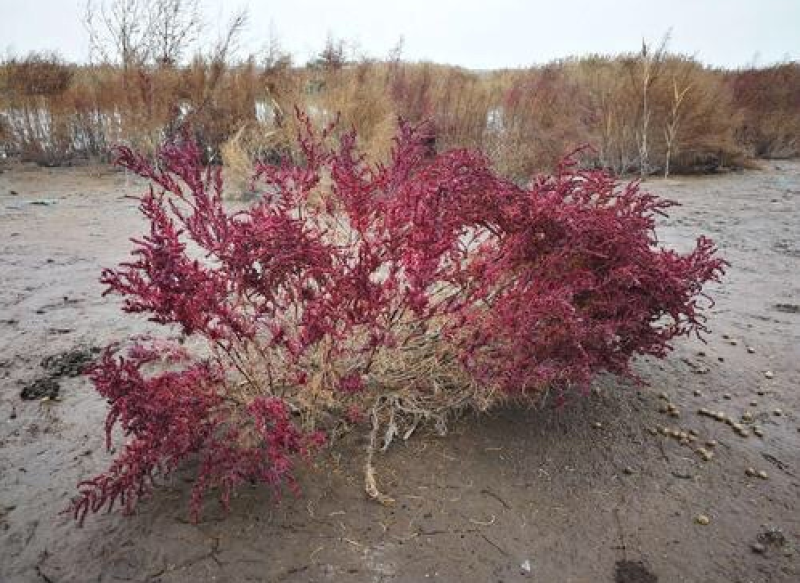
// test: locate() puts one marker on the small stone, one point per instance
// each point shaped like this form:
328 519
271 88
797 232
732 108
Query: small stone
702 519
761 393
777 412
705 454
758 432
727 396
721 359
663 396
751 350
698 393
747 417
652 431
769 374
711 443
674 413
598 425
701 353
693 433
763 475
726 337
758 548
734 342
628 470
750 472
754 403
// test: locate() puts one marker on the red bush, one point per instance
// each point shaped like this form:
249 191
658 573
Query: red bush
310 299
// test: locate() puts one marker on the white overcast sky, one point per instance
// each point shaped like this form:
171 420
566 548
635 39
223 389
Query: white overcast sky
472 33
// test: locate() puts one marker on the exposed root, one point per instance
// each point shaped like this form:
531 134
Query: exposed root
370 483
399 415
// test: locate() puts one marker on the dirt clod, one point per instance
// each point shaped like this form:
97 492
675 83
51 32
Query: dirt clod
39 389
633 572
71 363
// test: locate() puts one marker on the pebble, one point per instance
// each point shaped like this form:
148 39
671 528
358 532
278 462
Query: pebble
763 475
750 472
751 350
777 412
747 417
758 432
769 374
758 548
705 454
698 393
598 425
734 342
727 396
628 470
663 396
702 519
754 403
711 443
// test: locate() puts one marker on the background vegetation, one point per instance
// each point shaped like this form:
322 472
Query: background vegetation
648 111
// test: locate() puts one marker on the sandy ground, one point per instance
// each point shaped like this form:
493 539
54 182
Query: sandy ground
583 494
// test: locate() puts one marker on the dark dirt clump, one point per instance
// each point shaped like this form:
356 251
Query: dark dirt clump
633 572
71 363
40 388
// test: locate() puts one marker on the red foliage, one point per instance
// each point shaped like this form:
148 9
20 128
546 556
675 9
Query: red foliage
532 287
